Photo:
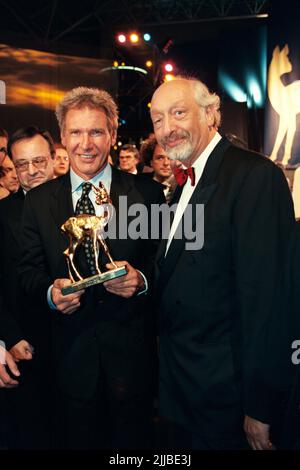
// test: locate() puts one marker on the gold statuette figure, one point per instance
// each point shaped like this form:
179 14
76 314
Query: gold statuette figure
78 228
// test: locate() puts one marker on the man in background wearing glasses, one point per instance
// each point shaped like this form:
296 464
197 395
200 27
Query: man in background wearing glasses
32 152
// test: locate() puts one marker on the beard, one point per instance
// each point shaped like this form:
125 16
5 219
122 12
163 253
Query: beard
181 152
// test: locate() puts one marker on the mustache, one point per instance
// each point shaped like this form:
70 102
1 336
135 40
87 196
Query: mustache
174 135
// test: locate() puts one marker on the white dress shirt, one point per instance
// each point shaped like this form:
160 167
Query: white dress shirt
188 189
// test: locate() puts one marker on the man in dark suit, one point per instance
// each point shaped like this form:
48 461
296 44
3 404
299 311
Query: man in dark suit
214 301
32 152
103 337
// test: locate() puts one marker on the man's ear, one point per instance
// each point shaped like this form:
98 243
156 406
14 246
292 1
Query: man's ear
113 137
209 116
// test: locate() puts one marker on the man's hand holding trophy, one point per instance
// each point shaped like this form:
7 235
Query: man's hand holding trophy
88 227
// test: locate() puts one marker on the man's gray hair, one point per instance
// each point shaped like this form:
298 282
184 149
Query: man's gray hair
204 98
94 98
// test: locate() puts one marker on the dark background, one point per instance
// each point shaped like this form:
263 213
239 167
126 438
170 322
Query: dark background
206 37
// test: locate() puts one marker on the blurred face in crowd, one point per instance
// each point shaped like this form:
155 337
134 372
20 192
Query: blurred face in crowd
88 141
9 180
33 161
161 164
180 126
61 162
127 161
3 148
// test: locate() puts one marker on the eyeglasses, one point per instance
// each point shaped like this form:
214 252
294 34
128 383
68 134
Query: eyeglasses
39 162
3 150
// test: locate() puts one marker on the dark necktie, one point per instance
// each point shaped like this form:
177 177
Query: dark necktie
85 206
182 175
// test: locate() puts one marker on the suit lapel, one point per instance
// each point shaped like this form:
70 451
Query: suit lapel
120 186
61 206
201 195
15 214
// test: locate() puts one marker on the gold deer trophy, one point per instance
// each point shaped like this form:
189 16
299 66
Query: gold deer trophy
78 228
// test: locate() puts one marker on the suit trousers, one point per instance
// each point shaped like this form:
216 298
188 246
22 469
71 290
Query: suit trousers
119 414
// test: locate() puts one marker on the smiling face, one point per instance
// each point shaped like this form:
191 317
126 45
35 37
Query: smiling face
87 140
181 127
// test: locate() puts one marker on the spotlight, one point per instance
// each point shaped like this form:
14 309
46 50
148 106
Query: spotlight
116 63
169 67
168 77
121 38
149 63
134 38
147 37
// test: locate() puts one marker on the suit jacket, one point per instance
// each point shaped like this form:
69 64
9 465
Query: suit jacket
214 301
17 321
75 347
10 220
288 329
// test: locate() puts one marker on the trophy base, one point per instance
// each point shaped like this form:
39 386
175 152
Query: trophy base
94 280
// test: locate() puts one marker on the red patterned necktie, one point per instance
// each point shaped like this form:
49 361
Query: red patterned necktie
182 175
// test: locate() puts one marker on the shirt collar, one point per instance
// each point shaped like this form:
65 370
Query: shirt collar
104 176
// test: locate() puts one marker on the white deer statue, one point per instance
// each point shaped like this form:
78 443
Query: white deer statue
285 100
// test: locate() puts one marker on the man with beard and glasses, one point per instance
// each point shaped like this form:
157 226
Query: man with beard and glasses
214 301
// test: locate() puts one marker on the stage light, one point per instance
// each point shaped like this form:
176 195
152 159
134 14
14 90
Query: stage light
169 67
233 89
121 38
149 63
254 91
147 37
168 77
116 63
149 105
134 38
119 143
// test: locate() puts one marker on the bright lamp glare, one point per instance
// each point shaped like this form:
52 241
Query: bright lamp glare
169 77
134 38
169 68
122 38
147 37
255 91
232 88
